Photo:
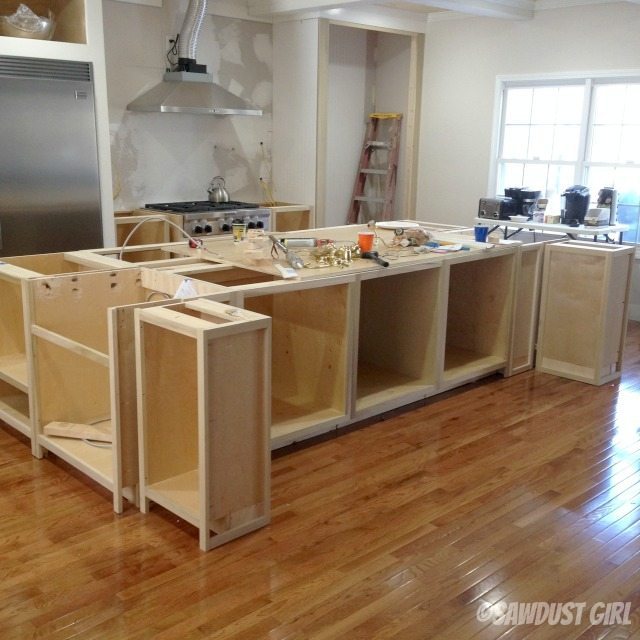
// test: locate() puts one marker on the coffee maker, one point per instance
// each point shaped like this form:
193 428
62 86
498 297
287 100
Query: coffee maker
576 205
608 198
524 198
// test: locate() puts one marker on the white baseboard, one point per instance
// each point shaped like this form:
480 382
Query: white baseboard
634 312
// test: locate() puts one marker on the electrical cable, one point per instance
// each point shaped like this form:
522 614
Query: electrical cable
194 243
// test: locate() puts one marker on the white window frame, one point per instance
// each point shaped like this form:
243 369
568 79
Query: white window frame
586 79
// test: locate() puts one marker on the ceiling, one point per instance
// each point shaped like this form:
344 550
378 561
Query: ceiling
420 10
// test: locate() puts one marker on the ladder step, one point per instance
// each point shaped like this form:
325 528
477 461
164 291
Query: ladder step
378 144
383 136
368 199
377 172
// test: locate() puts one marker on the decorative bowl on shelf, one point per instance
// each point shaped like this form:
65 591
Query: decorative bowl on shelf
519 218
24 23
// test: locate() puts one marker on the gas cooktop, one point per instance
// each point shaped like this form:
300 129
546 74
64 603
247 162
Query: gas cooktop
201 206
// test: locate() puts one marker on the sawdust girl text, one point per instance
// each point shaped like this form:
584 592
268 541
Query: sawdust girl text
554 613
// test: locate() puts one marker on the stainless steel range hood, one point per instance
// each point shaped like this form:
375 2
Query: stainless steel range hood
189 89
188 92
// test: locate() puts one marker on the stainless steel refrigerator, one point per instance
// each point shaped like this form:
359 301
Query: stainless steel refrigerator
49 179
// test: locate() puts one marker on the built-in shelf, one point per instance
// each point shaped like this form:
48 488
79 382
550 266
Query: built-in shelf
69 17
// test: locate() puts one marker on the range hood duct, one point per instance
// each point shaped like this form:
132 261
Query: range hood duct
190 89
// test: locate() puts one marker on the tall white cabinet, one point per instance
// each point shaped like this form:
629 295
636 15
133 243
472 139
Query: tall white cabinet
328 77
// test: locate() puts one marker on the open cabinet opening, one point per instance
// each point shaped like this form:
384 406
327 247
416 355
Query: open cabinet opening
309 357
397 337
478 317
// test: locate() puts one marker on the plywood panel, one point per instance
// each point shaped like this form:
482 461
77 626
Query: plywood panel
308 348
11 318
397 324
237 424
171 409
69 388
479 310
76 305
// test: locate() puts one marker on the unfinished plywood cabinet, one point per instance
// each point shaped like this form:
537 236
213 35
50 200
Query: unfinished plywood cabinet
81 336
584 310
14 344
309 355
397 339
204 416
478 316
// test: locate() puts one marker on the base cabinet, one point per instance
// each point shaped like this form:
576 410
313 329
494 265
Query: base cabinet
584 310
204 429
478 318
397 340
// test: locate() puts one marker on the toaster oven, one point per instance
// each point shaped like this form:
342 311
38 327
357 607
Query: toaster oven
499 208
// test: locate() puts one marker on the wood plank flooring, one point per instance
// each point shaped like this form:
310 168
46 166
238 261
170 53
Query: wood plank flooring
516 490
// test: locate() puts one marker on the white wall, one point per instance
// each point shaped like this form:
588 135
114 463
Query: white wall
160 157
295 110
349 100
463 58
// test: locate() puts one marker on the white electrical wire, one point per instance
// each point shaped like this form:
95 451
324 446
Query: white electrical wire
196 241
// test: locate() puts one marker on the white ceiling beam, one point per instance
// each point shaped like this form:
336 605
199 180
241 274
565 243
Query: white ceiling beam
488 8
278 7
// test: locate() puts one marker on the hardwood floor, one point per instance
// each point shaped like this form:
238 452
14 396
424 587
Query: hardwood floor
518 490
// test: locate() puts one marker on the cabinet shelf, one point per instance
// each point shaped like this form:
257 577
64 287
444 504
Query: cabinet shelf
13 369
462 362
178 494
94 461
377 385
14 408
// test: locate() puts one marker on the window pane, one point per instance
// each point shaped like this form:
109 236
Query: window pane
630 144
609 103
510 175
518 109
605 143
535 176
566 142
600 177
545 101
627 182
540 142
559 178
632 105
570 105
516 139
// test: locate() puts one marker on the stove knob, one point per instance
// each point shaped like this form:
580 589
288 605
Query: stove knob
251 225
208 228
197 228
259 224
225 227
